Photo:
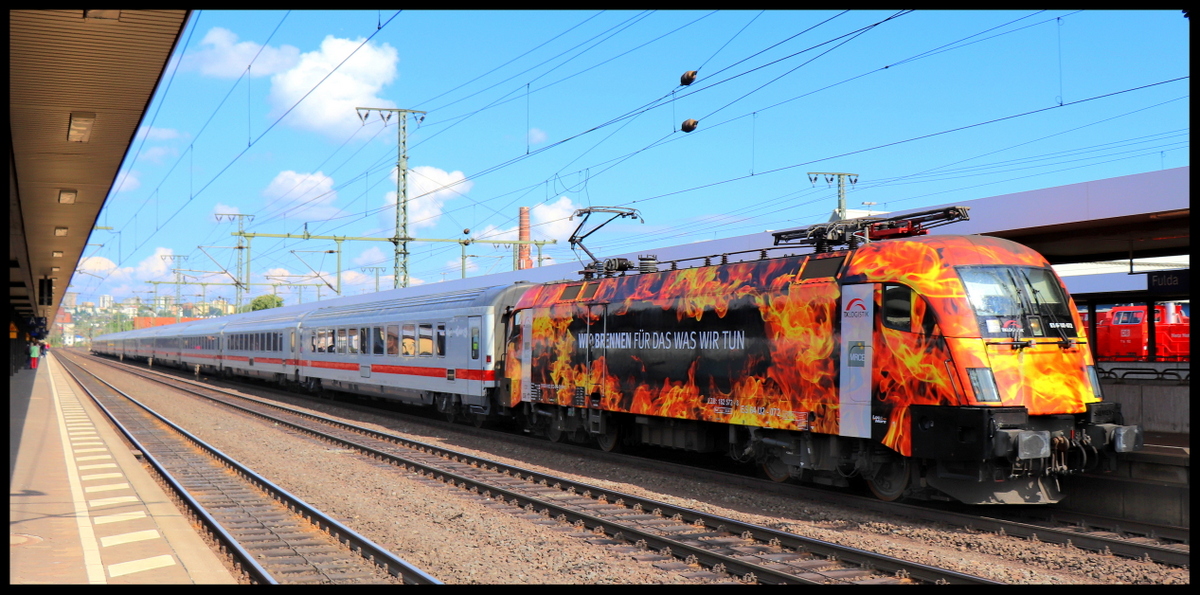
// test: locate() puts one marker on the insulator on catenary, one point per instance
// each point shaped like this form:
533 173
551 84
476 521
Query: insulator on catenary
690 125
688 78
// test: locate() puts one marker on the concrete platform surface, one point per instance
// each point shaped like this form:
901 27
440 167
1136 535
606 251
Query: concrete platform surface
82 508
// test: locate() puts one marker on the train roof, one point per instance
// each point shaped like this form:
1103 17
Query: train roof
478 291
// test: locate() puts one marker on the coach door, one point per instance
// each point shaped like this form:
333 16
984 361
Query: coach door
857 350
476 356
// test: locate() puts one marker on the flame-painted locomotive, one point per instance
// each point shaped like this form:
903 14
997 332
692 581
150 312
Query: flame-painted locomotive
930 366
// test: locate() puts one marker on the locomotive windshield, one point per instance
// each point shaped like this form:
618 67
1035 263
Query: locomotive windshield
1015 301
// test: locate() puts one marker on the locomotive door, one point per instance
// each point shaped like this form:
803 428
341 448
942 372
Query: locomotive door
597 322
857 351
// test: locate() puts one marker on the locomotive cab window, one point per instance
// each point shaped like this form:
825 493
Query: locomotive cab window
1018 301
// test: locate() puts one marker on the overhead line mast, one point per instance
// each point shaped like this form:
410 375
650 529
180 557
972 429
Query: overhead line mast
401 238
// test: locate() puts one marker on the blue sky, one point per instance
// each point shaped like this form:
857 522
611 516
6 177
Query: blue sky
562 110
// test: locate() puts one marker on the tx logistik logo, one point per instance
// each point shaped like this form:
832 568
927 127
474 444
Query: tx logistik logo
855 309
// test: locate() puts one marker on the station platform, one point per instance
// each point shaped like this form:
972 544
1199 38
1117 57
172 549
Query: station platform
82 508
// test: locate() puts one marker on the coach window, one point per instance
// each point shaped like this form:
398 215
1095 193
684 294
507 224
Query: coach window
341 340
393 339
352 340
440 339
425 339
377 340
474 342
408 341
364 335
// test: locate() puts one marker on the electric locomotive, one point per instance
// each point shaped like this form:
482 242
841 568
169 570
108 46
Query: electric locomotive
931 366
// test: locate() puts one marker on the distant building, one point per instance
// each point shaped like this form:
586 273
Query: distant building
69 299
106 302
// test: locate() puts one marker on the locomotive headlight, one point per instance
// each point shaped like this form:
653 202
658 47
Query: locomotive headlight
984 384
1095 379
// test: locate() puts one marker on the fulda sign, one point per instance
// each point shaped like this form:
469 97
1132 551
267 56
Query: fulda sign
1167 282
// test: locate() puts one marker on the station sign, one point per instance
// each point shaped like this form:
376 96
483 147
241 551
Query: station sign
1167 282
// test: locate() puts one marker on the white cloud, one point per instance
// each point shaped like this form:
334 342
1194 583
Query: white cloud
550 221
429 188
223 209
355 278
329 109
157 154
128 182
155 267
307 197
96 264
537 136
372 256
151 133
223 56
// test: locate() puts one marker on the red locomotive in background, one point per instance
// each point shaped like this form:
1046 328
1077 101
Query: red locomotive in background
1122 333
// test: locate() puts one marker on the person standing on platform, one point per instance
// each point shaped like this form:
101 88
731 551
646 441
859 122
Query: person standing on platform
34 354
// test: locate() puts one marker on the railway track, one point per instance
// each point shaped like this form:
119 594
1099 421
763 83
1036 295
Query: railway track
1162 544
698 545
272 536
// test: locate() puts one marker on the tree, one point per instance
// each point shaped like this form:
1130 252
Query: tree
265 302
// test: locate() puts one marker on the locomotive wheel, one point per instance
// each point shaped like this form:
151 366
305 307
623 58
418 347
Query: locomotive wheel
775 470
891 479
611 440
554 432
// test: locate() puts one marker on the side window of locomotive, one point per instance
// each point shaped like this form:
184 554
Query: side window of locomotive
408 341
897 307
393 339
377 340
440 339
515 325
425 339
589 291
